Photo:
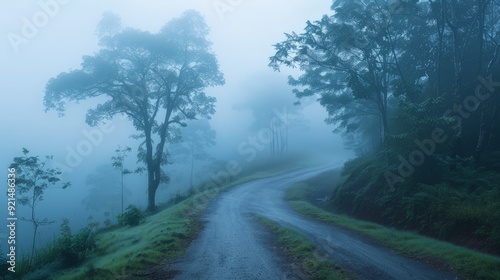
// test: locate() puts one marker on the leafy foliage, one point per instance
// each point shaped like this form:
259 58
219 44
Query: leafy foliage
33 177
74 248
351 60
104 190
461 207
117 162
156 80
418 79
196 138
133 216
367 55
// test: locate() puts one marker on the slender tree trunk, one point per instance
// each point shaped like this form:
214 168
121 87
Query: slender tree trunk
283 141
491 129
273 139
488 116
122 191
35 225
192 167
487 112
457 63
441 27
286 128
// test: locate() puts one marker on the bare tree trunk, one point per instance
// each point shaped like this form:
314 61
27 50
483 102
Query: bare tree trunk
152 171
489 110
440 27
272 137
151 195
457 65
192 167
122 190
35 225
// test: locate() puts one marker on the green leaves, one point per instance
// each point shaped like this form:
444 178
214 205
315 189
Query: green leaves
34 176
132 217
156 79
74 248
119 158
168 70
348 60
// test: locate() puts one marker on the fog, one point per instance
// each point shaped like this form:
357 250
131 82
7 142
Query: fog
242 33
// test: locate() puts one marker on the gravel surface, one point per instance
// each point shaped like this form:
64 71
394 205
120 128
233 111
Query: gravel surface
233 246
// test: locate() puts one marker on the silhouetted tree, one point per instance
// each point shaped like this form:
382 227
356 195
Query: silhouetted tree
33 177
368 57
195 139
104 190
278 112
117 162
157 80
346 58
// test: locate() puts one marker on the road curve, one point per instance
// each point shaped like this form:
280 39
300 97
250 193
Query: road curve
231 246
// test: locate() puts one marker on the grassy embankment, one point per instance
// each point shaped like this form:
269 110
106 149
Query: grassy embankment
465 262
138 252
310 261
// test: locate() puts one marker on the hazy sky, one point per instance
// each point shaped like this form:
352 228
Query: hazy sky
242 33
40 39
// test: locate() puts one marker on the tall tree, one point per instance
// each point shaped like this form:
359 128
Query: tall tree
278 112
117 162
195 139
157 80
347 58
104 191
34 176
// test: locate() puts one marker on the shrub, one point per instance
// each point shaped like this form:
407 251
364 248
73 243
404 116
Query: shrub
132 217
462 207
74 248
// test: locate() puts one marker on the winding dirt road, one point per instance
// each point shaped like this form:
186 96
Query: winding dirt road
232 245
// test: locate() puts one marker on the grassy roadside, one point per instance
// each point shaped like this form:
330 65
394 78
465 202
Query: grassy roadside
137 252
305 254
469 264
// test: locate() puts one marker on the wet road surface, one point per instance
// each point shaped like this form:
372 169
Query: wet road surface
233 246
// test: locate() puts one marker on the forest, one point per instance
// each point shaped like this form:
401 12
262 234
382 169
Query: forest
410 95
413 90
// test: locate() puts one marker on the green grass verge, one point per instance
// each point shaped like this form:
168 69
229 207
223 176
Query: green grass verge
128 252
468 263
310 261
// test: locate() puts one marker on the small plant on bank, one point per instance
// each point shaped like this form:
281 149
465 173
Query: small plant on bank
74 248
133 216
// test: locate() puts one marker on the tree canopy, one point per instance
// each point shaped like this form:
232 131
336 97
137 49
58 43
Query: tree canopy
419 80
156 79
34 176
369 57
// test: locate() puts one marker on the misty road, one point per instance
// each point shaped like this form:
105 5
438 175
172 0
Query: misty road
233 246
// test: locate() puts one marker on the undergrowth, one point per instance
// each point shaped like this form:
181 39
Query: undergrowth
142 243
309 258
468 263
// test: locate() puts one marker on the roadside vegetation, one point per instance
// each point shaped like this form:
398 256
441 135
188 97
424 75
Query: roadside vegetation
140 243
412 87
311 262
456 201
465 262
